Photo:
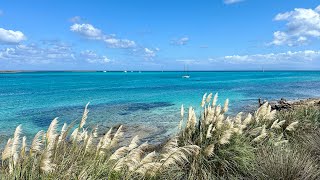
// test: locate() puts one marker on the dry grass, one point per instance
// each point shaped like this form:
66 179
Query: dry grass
210 145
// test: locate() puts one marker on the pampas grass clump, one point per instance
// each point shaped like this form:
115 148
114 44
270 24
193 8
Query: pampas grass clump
210 145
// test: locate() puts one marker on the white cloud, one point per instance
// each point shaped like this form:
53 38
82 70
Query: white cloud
10 36
272 58
92 57
34 54
119 43
302 26
86 30
149 53
53 52
231 1
180 41
90 32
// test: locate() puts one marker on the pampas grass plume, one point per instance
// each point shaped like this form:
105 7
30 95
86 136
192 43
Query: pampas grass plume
292 126
84 116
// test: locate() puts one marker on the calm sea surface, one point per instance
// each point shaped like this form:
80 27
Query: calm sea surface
147 98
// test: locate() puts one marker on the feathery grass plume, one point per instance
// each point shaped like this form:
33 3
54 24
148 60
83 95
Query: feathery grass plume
84 116
82 136
36 144
16 141
134 142
134 157
106 140
226 106
228 123
193 119
215 99
255 131
179 155
74 134
272 114
89 142
219 121
148 169
181 115
208 151
46 164
218 110
149 158
203 102
7 150
24 146
261 112
117 136
247 120
52 131
209 133
119 153
62 133
224 139
191 123
148 163
292 126
208 99
262 135
275 125
210 116
281 122
15 159
238 118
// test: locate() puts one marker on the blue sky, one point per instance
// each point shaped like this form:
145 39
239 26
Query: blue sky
159 35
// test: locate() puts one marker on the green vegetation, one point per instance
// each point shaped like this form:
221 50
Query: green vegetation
263 145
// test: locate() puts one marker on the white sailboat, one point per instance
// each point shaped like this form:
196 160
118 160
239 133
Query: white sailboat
186 76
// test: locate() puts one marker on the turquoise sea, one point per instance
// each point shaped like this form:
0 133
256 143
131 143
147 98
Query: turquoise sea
151 99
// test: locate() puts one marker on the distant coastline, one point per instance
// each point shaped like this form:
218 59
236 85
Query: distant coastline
35 71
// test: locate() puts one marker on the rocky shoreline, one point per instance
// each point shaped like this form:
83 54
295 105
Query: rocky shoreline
284 104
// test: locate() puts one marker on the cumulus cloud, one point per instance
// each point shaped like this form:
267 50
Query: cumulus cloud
302 26
90 32
87 30
181 41
53 52
232 1
35 54
119 43
149 53
92 57
10 36
272 58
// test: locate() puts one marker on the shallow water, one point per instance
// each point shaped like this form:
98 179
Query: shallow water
147 98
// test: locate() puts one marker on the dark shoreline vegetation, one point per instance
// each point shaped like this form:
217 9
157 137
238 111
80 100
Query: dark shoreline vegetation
265 144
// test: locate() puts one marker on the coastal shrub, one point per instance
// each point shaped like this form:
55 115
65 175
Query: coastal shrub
309 116
283 162
210 145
